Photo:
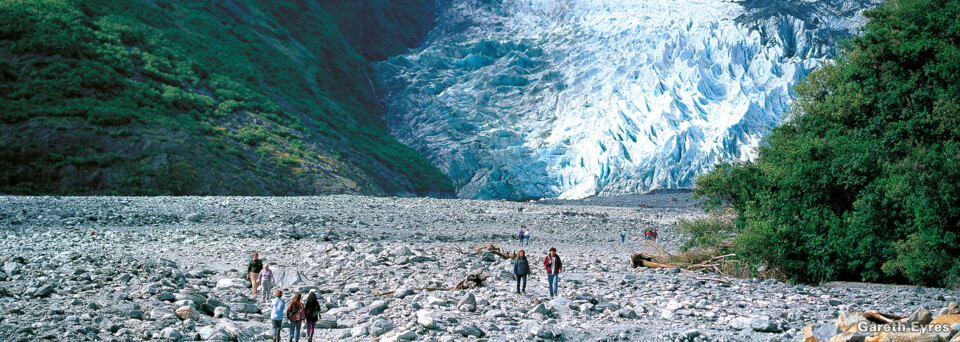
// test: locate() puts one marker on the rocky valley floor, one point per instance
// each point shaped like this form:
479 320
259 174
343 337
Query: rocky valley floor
171 268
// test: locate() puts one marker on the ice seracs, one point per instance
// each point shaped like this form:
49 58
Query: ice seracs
552 98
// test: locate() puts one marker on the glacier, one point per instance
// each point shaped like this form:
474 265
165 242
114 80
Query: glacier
525 99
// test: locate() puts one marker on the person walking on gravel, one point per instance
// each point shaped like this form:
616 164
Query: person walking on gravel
276 315
520 236
554 266
295 316
623 236
521 268
253 272
311 312
526 237
266 281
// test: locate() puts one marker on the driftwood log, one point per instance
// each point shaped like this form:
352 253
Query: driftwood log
471 281
502 253
637 260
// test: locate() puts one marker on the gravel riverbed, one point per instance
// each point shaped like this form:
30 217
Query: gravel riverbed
172 268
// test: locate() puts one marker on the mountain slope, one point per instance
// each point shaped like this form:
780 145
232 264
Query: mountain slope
195 97
544 98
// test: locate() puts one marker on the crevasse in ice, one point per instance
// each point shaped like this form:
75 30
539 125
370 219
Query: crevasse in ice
572 98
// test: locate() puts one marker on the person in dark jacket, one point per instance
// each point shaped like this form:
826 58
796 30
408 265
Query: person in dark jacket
253 272
311 311
521 268
554 267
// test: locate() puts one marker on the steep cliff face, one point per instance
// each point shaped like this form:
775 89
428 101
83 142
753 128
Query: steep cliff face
202 97
525 99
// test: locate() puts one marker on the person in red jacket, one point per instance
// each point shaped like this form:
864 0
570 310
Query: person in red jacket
554 267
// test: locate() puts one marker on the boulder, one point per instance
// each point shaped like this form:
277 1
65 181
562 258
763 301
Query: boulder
193 217
468 330
377 307
469 299
762 325
125 310
820 332
381 327
921 316
44 291
170 334
848 320
232 283
946 319
162 313
425 318
627 313
11 268
287 277
221 312
187 312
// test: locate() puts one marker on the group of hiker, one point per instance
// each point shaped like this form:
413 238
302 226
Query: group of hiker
298 313
552 263
524 236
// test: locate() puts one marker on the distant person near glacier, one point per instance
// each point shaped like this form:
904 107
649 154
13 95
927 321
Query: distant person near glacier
520 236
266 282
253 272
526 237
521 268
554 266
623 236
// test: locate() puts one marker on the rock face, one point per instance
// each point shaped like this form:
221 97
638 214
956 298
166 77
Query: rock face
524 99
140 273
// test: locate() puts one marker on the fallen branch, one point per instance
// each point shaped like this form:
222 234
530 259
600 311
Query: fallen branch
471 281
715 279
431 289
881 318
502 253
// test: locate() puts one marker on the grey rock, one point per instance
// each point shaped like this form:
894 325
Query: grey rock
381 327
920 316
468 330
170 334
627 313
44 291
193 217
11 268
377 307
125 310
221 312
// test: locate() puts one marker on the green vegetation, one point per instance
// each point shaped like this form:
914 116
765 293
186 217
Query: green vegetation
187 94
861 183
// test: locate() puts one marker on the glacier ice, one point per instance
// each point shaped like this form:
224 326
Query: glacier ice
519 99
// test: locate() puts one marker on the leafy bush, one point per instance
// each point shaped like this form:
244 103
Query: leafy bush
860 184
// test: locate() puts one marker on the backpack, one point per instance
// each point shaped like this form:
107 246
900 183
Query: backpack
295 314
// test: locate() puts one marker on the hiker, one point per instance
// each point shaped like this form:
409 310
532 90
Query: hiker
266 281
623 236
276 315
526 237
647 234
554 267
520 236
653 234
253 272
521 268
295 316
311 311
